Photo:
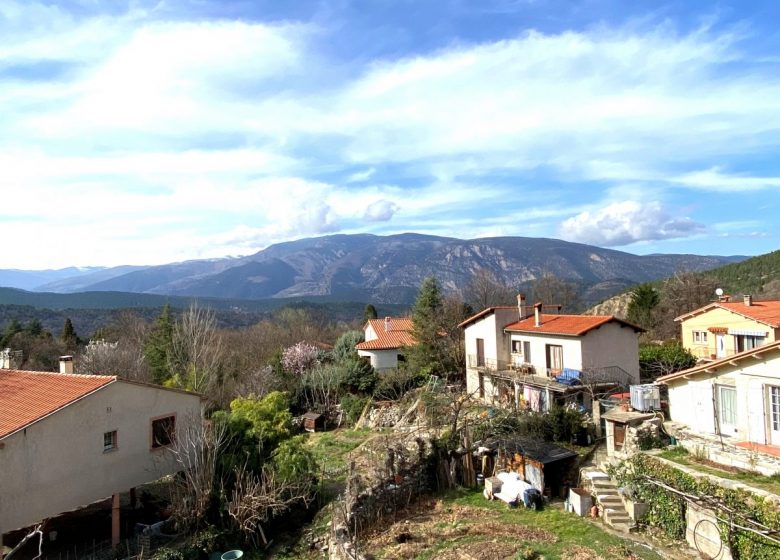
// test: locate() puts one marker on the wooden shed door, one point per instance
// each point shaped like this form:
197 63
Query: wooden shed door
480 352
620 435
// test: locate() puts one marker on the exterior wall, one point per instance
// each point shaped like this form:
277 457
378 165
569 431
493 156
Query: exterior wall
571 346
490 329
691 401
612 345
370 334
58 464
382 359
718 317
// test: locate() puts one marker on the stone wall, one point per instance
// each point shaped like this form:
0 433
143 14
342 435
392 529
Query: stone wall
375 494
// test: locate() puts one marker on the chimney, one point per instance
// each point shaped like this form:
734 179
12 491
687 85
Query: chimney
724 298
521 306
538 314
387 324
747 299
66 364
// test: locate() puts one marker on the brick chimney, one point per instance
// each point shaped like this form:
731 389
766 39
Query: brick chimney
747 299
521 306
538 314
387 324
66 364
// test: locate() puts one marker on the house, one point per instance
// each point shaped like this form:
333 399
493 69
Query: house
531 359
724 328
736 397
385 340
69 440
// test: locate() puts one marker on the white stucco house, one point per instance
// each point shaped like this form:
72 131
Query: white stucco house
69 440
737 397
529 358
385 340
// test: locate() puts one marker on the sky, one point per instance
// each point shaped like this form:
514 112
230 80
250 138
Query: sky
153 132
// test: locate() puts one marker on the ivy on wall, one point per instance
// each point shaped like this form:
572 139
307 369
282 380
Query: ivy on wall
667 509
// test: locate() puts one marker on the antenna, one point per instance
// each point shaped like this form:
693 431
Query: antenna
719 292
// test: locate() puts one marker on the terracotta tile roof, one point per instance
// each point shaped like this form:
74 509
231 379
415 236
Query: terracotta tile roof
483 313
28 396
767 312
399 334
569 325
711 367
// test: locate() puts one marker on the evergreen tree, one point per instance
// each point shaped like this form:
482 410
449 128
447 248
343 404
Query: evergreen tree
369 313
428 355
34 327
12 327
159 346
644 300
69 336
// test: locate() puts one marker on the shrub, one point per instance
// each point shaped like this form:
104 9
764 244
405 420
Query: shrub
352 406
360 376
168 554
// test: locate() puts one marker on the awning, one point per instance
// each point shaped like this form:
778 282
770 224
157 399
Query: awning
748 333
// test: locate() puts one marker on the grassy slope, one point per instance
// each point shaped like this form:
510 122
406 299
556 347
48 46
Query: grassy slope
461 509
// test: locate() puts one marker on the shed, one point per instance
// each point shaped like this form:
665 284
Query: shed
313 421
543 464
618 424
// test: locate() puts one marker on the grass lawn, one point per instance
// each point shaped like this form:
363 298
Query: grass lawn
681 456
331 448
464 524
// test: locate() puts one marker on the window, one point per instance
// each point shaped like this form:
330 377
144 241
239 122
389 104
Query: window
527 351
700 337
727 405
163 431
554 357
109 441
480 352
401 358
517 347
748 342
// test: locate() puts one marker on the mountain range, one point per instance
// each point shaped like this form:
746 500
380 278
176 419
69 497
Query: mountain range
364 267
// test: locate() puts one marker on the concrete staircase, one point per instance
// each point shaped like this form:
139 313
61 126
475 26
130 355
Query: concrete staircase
606 492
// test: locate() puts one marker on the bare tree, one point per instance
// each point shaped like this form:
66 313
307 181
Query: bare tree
196 451
36 532
683 292
257 499
485 290
552 290
197 355
321 386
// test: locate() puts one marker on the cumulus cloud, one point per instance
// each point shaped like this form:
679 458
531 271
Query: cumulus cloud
380 211
623 223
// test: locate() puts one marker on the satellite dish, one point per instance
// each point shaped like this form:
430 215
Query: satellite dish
719 292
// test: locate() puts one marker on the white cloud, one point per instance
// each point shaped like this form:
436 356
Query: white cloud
713 180
360 176
623 223
380 211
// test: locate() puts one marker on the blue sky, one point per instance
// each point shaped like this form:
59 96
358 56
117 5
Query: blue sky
150 132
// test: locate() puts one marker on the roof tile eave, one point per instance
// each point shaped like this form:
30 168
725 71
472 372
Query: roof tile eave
698 368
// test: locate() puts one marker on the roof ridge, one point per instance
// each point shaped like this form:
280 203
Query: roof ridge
77 375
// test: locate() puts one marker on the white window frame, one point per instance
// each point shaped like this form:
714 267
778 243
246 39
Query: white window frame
700 337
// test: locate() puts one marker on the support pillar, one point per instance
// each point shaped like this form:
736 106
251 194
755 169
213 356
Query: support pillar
115 520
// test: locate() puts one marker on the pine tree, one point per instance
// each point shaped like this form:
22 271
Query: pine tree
68 336
428 355
12 327
644 300
369 313
159 346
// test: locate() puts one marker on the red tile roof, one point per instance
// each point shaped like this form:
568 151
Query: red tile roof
397 335
483 313
711 367
767 312
28 396
569 325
